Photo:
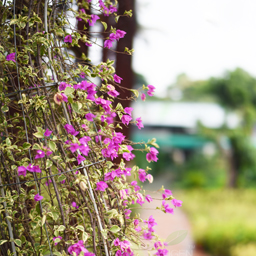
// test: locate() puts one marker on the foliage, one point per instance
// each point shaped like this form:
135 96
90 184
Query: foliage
225 223
64 173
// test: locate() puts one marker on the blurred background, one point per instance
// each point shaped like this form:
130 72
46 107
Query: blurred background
200 55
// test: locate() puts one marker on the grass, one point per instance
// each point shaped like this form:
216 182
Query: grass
223 221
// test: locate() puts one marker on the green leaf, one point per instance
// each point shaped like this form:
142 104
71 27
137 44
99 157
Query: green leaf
80 227
77 106
61 177
8 142
48 163
43 220
3 241
69 91
52 146
136 93
5 108
38 135
36 146
114 229
176 237
85 236
61 228
26 145
105 25
104 233
18 242
117 18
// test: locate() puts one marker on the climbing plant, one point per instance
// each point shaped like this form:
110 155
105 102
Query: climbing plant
66 181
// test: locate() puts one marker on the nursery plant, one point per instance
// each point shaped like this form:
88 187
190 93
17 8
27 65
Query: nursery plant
66 182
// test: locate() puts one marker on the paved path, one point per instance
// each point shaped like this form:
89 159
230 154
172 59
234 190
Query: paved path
168 223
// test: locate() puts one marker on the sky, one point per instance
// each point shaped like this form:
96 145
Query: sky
201 38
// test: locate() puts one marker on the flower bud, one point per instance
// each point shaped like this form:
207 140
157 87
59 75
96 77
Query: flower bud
83 185
150 178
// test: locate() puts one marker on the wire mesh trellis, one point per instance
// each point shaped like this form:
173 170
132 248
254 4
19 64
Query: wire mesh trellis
26 225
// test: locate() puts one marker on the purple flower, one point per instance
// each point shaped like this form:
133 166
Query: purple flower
126 119
56 238
68 39
84 149
167 208
82 75
70 129
139 123
120 34
101 185
74 147
40 154
84 140
62 86
88 44
116 242
22 171
151 89
176 203
47 133
148 198
64 97
80 158
143 96
162 252
38 197
78 248
117 79
152 155
11 57
128 111
108 43
147 236
33 168
142 175
90 116
93 19
73 204
136 222
113 93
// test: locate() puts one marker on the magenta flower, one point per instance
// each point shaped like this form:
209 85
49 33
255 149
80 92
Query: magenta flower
33 168
22 171
84 140
70 129
84 126
47 133
88 44
82 75
101 185
108 43
128 111
127 213
147 236
38 197
162 252
40 154
116 242
80 158
139 123
151 89
73 204
148 198
167 208
47 183
62 86
136 222
68 39
64 97
74 147
152 155
93 19
56 238
126 119
120 34
78 248
117 79
150 178
11 57
113 93
176 203
84 149
90 117
143 96
142 175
